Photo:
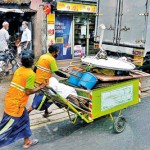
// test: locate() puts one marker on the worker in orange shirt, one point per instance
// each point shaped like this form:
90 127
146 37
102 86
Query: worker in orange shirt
15 123
46 65
44 68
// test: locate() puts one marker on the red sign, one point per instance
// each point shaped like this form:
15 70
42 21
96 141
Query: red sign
47 8
51 32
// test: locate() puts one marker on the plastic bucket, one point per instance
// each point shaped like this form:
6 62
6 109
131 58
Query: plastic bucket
88 80
75 77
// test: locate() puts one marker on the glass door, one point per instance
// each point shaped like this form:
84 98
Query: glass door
80 36
91 30
83 35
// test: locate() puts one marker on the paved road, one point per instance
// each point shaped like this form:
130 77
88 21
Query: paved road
97 135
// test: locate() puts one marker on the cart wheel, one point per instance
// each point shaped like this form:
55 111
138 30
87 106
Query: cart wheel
119 124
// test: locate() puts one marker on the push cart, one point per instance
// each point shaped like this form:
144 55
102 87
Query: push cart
104 100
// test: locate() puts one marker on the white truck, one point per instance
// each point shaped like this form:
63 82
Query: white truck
127 25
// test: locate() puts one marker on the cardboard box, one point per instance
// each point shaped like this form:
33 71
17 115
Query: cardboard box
138 60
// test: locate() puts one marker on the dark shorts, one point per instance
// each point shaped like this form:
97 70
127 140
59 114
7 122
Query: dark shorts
14 128
40 102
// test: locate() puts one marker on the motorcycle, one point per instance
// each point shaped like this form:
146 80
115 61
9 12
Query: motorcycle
8 57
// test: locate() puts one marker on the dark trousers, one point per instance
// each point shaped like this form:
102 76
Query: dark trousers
23 44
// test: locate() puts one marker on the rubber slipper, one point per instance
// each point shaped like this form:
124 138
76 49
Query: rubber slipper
33 142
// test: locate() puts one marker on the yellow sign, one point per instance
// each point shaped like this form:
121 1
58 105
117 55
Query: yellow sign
51 29
63 6
59 40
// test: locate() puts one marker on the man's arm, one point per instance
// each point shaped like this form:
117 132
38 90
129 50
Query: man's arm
53 66
60 74
6 35
27 44
35 67
54 69
32 91
30 85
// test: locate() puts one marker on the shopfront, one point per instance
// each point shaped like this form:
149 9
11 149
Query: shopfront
72 29
15 17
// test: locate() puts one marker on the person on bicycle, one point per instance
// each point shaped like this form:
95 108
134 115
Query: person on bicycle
15 123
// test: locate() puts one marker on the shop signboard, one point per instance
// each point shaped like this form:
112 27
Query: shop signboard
63 6
50 29
63 36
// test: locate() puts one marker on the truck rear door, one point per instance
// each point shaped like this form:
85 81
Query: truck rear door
132 23
108 15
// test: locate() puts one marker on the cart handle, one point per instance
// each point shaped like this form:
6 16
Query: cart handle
50 88
69 105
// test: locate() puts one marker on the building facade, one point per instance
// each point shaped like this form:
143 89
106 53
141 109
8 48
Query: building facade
71 26
15 12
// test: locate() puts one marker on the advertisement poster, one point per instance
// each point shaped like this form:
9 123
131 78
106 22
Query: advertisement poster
50 29
63 36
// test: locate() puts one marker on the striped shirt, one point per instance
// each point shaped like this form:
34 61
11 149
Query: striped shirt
4 37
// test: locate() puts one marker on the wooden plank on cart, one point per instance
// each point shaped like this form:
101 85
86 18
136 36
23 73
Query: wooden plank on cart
133 75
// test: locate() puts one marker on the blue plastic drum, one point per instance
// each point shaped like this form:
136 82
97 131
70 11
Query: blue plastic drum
88 80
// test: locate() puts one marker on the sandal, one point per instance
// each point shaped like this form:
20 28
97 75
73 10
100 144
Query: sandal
45 115
33 142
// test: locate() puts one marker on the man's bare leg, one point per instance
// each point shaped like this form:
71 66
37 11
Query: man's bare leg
30 109
46 113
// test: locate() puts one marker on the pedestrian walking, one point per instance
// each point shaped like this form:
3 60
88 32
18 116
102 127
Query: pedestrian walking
15 123
4 36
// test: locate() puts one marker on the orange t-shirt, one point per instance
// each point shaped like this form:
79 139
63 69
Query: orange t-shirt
16 98
46 65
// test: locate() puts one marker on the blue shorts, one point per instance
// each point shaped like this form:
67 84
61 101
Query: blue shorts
14 128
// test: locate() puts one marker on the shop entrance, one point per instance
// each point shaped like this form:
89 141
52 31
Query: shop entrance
15 21
84 26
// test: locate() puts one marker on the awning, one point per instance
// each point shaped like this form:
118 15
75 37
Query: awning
28 10
11 10
15 1
21 11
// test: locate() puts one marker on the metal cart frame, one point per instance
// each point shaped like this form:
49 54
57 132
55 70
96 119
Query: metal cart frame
105 101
